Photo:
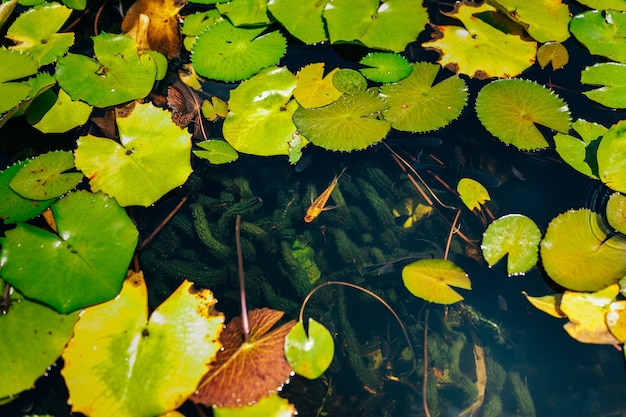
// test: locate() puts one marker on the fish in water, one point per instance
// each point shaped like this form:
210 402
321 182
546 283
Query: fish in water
319 204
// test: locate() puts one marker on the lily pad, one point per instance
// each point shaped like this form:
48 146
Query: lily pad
152 159
482 49
577 255
416 104
552 52
349 81
44 177
605 4
309 353
216 152
410 212
544 20
303 19
313 89
616 320
509 110
38 85
50 113
272 405
84 262
611 76
245 12
226 53
602 32
14 207
259 122
35 336
118 74
13 66
246 371
548 304
389 25
118 356
616 212
386 67
574 151
349 124
432 279
35 30
611 156
472 193
515 235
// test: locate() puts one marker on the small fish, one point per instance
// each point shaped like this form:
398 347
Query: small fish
319 204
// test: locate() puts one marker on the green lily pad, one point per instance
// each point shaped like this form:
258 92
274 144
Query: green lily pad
611 76
509 110
616 212
51 114
216 152
602 32
38 85
117 355
227 53
272 405
13 66
605 4
259 121
245 12
386 67
576 256
416 104
348 124
309 353
574 151
118 75
515 235
544 20
303 19
196 23
35 336
35 30
152 159
14 207
349 81
387 25
432 279
84 263
552 52
44 177
611 156
482 48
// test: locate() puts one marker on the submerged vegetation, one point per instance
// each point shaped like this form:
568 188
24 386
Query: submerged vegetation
172 147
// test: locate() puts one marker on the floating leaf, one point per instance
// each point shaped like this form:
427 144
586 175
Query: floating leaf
586 314
38 84
349 81
245 12
214 108
482 49
13 66
573 150
120 363
576 256
611 77
84 262
602 32
244 372
309 353
152 159
544 20
43 177
509 110
605 4
386 67
390 25
35 336
196 23
616 320
14 207
548 304
515 235
6 9
303 19
57 114
611 156
616 212
216 152
259 121
348 124
313 89
163 32
411 212
226 53
416 104
118 75
552 52
269 406
472 193
432 279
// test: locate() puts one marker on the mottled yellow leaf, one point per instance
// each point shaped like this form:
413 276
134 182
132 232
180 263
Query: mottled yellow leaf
313 89
548 304
553 52
472 193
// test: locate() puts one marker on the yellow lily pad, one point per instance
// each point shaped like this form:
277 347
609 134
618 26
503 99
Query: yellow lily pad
552 52
472 193
548 304
616 319
313 89
119 363
432 279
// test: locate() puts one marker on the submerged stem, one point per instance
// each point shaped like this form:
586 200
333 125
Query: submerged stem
242 285
425 384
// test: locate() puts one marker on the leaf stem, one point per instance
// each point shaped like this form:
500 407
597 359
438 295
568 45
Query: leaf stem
245 324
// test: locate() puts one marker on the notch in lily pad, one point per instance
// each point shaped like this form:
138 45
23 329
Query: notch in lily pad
385 67
309 353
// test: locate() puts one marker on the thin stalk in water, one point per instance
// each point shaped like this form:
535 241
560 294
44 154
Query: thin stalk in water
245 324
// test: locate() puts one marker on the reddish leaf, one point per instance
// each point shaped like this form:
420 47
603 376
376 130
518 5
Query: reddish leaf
244 372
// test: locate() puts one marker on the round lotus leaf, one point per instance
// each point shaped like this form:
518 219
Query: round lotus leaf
309 353
14 207
13 66
603 32
616 212
611 156
611 79
303 19
349 81
433 279
386 67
